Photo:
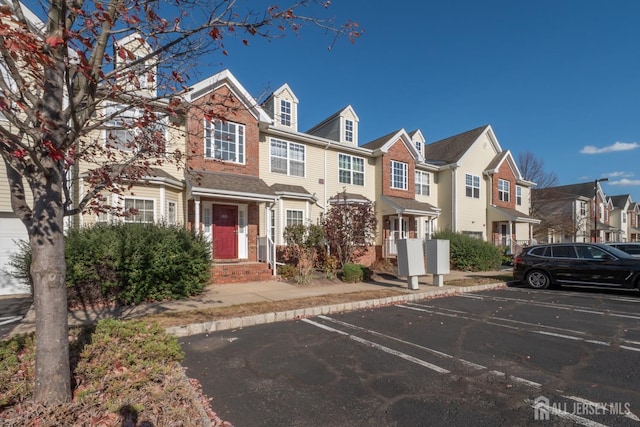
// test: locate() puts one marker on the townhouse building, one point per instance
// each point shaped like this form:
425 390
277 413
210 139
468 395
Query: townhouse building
624 217
249 172
575 213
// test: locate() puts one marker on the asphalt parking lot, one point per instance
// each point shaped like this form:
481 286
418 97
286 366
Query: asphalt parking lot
505 357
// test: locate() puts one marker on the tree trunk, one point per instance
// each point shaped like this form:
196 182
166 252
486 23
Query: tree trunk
48 269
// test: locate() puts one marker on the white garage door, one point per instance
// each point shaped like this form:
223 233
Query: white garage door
11 230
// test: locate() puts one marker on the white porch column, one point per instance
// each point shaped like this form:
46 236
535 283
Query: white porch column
196 220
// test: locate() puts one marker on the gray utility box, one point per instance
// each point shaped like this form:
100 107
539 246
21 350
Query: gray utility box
437 256
411 261
410 257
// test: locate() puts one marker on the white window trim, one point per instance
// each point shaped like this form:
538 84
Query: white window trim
473 186
146 199
288 157
519 195
210 128
504 190
405 172
284 116
420 182
351 170
130 114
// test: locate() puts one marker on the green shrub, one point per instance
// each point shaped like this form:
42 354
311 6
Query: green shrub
330 266
354 273
130 263
287 271
114 364
17 369
470 254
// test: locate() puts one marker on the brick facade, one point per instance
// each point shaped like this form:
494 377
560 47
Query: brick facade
400 153
507 174
222 103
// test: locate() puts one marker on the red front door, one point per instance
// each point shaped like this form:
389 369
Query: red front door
225 232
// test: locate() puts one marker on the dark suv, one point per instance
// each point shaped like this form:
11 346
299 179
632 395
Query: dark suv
589 264
632 248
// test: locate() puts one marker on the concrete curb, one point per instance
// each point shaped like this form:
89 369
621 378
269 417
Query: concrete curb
282 316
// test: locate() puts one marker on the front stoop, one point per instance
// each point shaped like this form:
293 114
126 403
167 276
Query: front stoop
223 273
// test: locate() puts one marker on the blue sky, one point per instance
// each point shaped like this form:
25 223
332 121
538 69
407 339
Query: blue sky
560 78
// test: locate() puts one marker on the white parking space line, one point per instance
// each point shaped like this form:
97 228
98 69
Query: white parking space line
532 327
504 319
567 292
532 384
7 320
466 363
383 348
557 306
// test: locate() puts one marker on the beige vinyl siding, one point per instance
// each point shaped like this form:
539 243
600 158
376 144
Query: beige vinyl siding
334 186
445 200
471 212
151 192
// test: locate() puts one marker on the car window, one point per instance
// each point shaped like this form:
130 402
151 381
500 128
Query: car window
564 251
630 249
592 252
539 251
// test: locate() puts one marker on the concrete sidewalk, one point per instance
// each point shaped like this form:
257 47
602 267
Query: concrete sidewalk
254 292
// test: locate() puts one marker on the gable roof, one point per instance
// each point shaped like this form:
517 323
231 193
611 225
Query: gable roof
383 143
284 88
620 200
332 117
226 78
451 150
584 189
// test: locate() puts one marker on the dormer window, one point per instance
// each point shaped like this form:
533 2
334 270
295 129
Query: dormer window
348 130
285 112
419 146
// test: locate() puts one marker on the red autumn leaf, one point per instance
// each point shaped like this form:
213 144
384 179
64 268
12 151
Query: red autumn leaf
245 42
54 40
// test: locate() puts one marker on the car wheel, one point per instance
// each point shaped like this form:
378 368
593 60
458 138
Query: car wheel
537 279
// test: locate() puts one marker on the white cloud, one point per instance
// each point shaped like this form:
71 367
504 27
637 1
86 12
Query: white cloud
618 174
618 146
626 182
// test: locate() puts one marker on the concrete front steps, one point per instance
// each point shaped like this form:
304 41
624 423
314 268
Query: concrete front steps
238 272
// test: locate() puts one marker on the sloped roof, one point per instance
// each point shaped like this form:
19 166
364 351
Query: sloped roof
349 197
378 143
453 148
333 117
510 214
229 185
619 201
584 189
410 206
296 191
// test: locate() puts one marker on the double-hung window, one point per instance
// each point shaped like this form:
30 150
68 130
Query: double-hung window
348 130
583 209
472 186
224 141
399 172
350 169
285 112
140 210
504 187
133 129
294 217
422 183
518 195
287 157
